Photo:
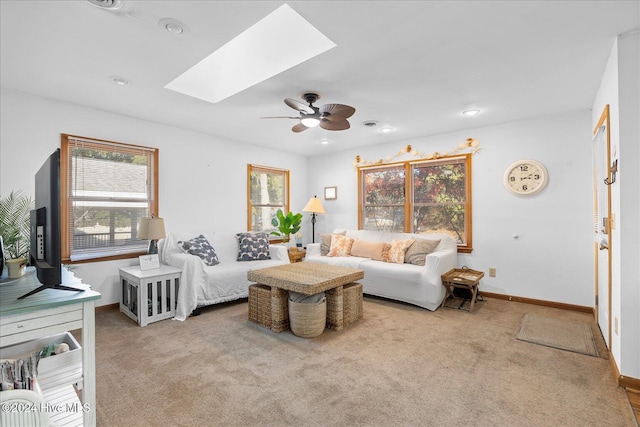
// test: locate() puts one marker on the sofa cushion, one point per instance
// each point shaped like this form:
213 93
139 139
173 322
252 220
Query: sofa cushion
418 251
340 245
200 247
253 246
373 250
398 249
325 242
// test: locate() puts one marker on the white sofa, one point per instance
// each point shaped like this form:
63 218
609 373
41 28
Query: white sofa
414 284
202 285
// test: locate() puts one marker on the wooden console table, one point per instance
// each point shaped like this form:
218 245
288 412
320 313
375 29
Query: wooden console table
51 312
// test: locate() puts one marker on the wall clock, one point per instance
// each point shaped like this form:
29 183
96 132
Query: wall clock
525 177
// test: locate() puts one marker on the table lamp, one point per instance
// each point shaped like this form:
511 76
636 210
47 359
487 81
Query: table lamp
315 207
151 229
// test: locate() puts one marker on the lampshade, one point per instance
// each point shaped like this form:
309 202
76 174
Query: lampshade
314 206
151 228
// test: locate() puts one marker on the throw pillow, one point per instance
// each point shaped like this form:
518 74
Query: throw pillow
398 249
417 253
340 245
253 246
200 247
372 250
325 242
385 252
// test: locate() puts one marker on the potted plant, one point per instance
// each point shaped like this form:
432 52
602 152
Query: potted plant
286 224
15 231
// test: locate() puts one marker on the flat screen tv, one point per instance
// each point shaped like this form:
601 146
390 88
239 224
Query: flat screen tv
46 247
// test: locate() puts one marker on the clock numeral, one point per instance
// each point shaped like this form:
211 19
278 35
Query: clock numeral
536 176
524 168
512 178
524 187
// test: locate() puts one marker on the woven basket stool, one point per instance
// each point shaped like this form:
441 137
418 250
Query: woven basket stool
352 303
307 320
260 305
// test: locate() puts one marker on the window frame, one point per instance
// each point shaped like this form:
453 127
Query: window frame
409 192
267 169
66 149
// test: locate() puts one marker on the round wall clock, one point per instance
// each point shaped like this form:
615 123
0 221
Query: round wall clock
525 177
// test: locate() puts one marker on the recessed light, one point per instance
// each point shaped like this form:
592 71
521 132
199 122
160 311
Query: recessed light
370 123
120 80
107 4
324 142
173 26
471 112
386 129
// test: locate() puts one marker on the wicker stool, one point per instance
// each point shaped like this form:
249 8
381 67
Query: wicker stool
352 303
268 307
260 305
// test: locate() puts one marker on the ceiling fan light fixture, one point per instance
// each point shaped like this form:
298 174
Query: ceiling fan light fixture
310 122
471 112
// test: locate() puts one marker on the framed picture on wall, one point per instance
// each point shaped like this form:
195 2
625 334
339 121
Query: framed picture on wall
330 193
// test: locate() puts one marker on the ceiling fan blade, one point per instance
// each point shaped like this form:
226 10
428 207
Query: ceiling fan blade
280 117
299 127
340 110
335 124
299 106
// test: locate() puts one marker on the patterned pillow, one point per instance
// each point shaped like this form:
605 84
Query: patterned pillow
417 253
200 247
398 249
340 245
253 246
325 242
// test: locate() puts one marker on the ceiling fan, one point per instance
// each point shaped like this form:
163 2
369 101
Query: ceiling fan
328 116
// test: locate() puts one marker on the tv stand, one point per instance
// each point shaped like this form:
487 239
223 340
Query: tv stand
43 287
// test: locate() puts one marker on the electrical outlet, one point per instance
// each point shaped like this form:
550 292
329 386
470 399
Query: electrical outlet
615 325
492 272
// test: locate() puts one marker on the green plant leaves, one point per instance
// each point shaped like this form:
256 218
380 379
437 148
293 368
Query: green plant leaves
286 224
14 224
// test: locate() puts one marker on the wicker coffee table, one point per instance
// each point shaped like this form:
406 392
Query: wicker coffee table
307 278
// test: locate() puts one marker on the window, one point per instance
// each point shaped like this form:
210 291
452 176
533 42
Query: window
106 188
267 191
424 197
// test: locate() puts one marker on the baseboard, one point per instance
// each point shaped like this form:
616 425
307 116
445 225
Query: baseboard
630 383
108 307
572 307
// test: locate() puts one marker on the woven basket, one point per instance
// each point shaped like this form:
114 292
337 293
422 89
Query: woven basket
307 320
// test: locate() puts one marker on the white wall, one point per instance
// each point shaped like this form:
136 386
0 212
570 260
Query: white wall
620 89
551 259
202 178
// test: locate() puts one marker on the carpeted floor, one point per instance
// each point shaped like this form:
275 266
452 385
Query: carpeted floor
399 366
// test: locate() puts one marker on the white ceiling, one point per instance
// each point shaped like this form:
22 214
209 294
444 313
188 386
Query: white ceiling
413 65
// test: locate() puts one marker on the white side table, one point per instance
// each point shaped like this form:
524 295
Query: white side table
149 295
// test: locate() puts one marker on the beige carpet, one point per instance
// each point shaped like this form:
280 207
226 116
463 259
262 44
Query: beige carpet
558 333
399 366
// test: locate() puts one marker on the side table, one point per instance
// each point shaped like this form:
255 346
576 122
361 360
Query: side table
296 255
464 278
149 295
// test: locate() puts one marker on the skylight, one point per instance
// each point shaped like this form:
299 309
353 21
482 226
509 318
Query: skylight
281 40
